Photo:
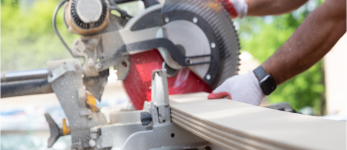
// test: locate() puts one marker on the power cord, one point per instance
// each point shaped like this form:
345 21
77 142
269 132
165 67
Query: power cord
123 13
55 25
114 7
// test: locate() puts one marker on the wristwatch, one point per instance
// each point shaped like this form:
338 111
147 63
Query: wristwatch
266 82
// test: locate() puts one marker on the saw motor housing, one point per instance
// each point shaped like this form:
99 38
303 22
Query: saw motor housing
86 17
200 39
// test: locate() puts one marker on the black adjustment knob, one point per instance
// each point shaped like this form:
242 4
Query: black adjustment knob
146 118
55 131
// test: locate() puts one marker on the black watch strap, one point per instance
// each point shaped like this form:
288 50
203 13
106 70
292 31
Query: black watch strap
266 82
260 73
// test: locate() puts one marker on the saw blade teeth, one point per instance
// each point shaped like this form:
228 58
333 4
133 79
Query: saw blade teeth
226 36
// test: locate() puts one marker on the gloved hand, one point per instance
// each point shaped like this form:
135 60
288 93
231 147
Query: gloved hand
242 88
235 8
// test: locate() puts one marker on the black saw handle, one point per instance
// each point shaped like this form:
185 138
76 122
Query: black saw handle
147 3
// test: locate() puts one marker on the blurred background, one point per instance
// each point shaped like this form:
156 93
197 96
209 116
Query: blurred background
28 42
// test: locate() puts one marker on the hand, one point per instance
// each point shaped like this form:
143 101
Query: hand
242 88
235 8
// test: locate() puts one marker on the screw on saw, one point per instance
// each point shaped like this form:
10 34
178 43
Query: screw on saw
195 20
208 76
213 45
166 19
188 61
98 66
92 143
90 62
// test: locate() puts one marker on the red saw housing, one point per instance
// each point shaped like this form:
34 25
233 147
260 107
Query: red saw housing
138 82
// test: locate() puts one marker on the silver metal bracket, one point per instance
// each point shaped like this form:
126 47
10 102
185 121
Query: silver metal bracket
86 47
160 96
67 82
61 70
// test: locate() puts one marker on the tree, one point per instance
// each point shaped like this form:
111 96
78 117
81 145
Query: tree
28 40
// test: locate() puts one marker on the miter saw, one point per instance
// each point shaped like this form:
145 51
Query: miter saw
181 46
194 40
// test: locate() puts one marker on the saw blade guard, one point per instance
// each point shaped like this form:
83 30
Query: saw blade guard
139 79
217 26
214 35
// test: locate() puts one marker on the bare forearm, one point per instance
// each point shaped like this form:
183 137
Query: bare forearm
310 42
272 7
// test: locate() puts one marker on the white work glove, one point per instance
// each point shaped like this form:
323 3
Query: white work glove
242 88
235 8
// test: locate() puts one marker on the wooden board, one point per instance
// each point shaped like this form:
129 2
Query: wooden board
235 125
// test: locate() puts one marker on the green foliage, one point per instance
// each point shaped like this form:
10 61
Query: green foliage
262 38
28 40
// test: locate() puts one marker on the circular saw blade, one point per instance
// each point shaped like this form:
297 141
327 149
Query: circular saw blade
218 27
139 79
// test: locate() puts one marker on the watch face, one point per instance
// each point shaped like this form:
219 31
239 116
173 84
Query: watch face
268 85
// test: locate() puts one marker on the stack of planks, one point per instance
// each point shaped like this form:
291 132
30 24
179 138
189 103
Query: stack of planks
235 125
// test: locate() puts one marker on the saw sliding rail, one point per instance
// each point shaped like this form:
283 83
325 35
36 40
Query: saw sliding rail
29 82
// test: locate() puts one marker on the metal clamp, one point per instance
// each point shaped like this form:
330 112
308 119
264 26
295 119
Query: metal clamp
60 70
160 95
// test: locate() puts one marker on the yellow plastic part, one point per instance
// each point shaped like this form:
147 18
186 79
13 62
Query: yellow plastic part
66 129
92 102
